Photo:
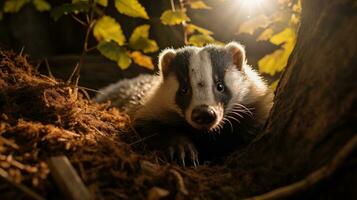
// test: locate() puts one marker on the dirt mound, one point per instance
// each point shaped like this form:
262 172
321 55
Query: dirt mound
41 117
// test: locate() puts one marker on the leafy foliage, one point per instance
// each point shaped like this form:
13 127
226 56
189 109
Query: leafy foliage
139 40
276 62
170 17
14 6
131 8
191 28
279 28
67 8
41 5
99 2
198 4
200 39
116 53
142 60
108 29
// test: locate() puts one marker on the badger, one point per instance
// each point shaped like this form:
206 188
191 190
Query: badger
203 103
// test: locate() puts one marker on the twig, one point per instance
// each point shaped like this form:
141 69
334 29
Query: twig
33 195
22 51
67 179
72 74
9 143
184 24
48 68
74 79
78 20
172 5
90 89
314 178
85 93
91 48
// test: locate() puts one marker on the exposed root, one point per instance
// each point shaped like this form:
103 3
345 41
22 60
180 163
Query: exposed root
314 178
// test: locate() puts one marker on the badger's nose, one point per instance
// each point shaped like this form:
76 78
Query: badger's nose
203 115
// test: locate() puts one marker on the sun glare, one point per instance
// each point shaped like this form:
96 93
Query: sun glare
252 6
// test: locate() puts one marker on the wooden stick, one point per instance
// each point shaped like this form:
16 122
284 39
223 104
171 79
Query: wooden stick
314 178
67 179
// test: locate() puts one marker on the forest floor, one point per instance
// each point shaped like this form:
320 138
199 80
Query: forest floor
43 117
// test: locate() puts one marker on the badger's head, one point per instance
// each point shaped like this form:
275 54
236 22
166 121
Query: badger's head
204 83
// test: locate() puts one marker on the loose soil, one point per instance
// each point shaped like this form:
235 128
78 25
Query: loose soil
42 117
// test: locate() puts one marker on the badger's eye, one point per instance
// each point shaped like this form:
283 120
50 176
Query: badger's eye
220 87
183 91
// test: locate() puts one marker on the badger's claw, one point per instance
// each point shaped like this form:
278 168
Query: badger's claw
182 150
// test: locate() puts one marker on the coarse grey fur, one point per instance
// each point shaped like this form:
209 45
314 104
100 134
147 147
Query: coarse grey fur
127 95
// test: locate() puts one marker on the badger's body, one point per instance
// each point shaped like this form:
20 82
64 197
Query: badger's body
203 100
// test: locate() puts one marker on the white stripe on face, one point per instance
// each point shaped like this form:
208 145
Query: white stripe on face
200 71
201 80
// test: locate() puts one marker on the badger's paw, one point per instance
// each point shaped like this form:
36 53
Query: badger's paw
181 150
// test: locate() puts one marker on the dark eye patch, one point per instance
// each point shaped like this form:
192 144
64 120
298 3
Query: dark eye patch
180 67
220 61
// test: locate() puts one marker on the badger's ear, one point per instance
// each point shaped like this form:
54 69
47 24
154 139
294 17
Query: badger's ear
165 60
238 53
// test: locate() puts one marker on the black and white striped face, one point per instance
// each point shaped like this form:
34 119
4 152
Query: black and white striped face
203 81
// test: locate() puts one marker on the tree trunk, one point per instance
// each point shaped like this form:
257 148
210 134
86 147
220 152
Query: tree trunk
315 111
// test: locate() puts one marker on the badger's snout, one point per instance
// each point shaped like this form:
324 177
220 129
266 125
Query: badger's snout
203 115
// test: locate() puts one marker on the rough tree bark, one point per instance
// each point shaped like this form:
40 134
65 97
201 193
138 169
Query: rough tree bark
315 111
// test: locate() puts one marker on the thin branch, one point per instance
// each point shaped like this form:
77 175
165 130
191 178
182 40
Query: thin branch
78 20
48 68
85 93
184 24
22 51
72 74
90 89
91 49
314 178
74 79
172 5
9 143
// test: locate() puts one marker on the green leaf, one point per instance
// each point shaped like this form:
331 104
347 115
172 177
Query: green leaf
100 2
274 85
198 4
139 40
276 61
41 5
1 15
107 29
201 40
170 17
140 31
191 28
287 35
131 8
250 26
64 9
142 60
114 52
14 6
266 34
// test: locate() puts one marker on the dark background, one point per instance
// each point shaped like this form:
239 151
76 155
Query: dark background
61 41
